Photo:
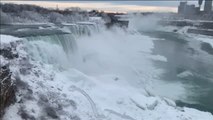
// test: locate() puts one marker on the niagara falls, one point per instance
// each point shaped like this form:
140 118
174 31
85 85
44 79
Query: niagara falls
106 60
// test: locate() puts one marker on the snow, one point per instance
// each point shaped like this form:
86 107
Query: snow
6 39
183 30
65 29
69 24
86 23
95 18
34 23
203 38
158 58
101 87
3 61
191 21
115 99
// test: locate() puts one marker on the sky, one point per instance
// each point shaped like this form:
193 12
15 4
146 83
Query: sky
111 6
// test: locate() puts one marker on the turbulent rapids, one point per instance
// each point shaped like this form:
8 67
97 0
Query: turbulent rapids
89 72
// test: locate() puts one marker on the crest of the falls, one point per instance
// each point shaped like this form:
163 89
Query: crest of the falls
83 28
66 41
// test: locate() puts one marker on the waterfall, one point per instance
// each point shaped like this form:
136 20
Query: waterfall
47 53
83 28
59 49
66 41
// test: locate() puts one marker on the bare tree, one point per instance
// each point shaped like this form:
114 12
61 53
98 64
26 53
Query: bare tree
33 16
4 18
55 17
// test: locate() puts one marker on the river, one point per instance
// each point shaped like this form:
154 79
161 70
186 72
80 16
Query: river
188 65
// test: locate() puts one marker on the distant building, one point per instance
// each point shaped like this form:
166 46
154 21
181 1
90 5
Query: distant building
193 12
185 9
208 6
181 7
190 10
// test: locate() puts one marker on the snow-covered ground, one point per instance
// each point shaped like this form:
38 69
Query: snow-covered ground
183 31
110 78
6 39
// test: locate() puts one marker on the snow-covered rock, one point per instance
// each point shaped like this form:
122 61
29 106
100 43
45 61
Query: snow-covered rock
185 74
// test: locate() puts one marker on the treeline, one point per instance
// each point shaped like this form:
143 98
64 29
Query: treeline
13 13
14 8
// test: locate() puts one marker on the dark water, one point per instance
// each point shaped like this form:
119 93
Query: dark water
185 54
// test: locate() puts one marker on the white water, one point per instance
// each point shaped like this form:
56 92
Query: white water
55 49
108 52
121 54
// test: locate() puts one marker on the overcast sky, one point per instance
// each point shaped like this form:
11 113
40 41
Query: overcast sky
115 6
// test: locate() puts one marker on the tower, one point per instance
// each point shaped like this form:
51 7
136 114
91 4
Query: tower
200 2
182 7
57 7
208 6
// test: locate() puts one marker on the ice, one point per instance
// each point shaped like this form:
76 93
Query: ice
86 23
185 74
183 31
158 58
203 38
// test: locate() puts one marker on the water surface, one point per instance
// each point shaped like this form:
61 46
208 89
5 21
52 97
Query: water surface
185 55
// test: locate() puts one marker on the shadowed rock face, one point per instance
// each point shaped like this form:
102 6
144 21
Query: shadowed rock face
15 65
7 94
7 83
7 53
51 112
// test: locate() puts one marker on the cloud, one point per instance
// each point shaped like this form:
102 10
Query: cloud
116 6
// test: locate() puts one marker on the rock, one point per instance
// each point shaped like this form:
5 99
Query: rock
116 78
24 115
24 71
191 51
200 31
175 30
7 53
43 98
138 105
20 84
170 102
75 118
7 94
51 112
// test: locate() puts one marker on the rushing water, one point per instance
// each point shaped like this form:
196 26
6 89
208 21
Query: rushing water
184 56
